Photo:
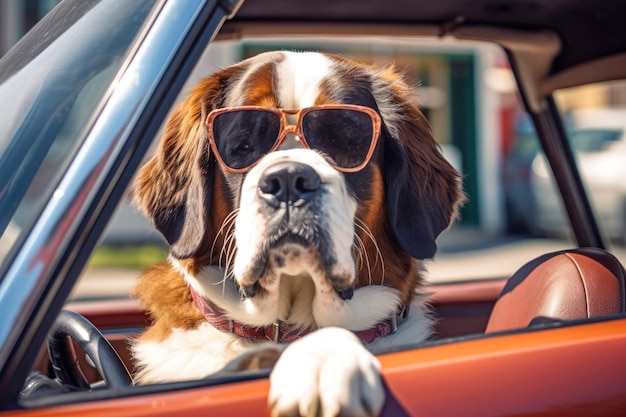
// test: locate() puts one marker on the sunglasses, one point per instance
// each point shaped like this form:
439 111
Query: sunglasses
241 136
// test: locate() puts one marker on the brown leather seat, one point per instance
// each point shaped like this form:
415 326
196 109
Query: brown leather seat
566 285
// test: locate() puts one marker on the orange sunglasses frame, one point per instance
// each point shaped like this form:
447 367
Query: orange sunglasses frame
286 128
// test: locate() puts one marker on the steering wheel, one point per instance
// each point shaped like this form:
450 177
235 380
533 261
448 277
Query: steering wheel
97 348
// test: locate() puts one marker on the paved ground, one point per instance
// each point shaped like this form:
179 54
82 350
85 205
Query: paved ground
463 254
466 254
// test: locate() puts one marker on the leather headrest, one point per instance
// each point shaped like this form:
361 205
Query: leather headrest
565 285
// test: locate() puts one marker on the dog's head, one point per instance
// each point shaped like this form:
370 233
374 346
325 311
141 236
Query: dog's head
363 193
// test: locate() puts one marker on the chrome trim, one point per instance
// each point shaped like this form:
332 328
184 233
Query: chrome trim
232 6
29 275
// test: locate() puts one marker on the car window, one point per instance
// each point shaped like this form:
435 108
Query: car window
59 92
467 92
596 119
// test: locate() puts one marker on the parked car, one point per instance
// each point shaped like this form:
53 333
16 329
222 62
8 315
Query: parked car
82 98
598 138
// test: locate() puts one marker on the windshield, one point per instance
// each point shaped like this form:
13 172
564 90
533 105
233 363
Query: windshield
51 85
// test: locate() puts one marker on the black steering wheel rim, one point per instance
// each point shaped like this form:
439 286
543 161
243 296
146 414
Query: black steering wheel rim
95 345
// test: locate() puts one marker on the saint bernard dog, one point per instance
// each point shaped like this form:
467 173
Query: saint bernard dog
298 192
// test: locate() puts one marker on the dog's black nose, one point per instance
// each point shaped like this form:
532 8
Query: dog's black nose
289 182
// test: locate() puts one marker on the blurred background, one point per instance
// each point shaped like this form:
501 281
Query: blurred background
466 90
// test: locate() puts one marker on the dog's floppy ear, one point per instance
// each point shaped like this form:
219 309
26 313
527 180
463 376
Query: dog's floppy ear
423 189
174 187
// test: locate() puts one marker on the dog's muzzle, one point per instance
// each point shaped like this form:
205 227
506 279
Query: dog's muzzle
301 222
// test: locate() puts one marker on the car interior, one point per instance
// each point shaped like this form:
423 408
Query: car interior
559 280
566 286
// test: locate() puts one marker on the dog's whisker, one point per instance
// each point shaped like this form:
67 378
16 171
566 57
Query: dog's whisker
358 250
228 252
225 229
379 256
228 246
229 240
231 248
228 221
363 255
230 256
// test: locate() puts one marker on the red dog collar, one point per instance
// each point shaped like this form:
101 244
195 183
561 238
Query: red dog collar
283 332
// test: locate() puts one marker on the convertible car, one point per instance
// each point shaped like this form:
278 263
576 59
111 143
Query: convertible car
84 94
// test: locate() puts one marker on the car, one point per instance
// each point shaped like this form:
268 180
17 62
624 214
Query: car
599 137
596 135
84 95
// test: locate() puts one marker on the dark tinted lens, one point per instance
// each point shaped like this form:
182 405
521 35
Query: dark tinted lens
344 135
245 136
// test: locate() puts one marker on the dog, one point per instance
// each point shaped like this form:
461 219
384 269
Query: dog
298 192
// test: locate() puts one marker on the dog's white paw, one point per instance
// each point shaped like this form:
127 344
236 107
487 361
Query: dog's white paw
326 373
